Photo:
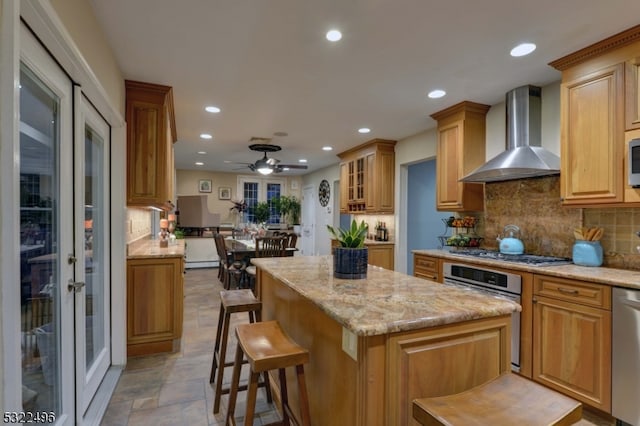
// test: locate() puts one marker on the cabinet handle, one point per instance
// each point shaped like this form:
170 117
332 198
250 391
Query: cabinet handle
568 291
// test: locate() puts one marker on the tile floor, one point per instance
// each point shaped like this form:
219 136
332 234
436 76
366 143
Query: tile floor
173 389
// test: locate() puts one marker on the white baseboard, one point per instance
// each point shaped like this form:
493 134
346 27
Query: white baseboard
202 264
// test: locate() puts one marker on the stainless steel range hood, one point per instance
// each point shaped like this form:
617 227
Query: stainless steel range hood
524 156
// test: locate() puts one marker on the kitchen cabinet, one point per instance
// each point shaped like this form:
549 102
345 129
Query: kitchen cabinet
151 132
460 150
572 338
367 178
379 254
154 304
427 267
599 101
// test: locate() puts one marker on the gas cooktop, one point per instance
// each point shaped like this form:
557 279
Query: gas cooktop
528 259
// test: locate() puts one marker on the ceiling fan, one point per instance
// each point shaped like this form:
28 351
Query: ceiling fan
267 165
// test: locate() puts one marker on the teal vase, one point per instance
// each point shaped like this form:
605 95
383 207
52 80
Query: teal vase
587 253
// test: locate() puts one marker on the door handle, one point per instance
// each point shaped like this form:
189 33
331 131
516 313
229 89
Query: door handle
75 286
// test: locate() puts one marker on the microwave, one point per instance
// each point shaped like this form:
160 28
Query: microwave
634 163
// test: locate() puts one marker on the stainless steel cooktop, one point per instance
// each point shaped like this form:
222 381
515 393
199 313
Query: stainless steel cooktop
528 259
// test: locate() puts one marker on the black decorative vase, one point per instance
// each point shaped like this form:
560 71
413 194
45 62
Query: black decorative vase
350 263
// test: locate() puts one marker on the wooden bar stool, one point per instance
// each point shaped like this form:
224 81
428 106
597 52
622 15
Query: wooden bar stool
508 399
267 347
231 301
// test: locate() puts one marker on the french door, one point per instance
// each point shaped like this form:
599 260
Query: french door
92 225
64 244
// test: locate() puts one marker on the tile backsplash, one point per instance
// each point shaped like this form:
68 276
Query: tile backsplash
547 227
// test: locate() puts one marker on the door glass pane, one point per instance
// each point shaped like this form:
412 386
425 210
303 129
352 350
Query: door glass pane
94 239
39 236
251 198
273 191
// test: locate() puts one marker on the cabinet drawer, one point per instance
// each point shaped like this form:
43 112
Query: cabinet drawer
426 267
432 276
584 293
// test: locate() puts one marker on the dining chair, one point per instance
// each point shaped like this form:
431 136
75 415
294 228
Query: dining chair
267 247
292 239
228 270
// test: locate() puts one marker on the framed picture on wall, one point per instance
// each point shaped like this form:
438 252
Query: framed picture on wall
204 185
224 193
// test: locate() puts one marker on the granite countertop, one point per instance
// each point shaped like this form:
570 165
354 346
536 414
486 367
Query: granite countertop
600 275
147 248
384 302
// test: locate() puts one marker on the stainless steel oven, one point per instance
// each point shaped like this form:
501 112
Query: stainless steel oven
494 283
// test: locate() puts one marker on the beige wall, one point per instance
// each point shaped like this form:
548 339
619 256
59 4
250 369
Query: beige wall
78 18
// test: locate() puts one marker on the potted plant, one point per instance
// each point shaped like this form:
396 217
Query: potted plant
288 206
261 212
294 213
351 258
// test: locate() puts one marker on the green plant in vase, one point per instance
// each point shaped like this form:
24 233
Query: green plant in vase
351 258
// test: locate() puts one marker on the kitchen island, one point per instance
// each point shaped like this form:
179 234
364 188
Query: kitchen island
376 344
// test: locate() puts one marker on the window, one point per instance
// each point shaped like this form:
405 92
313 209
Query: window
255 189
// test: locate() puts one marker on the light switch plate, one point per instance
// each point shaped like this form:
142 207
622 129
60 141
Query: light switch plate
350 343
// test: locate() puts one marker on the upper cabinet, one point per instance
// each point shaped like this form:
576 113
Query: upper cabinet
367 176
460 150
151 132
600 107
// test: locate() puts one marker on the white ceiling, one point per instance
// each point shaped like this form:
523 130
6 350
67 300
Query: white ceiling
267 64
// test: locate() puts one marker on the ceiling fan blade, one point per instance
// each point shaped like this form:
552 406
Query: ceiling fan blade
293 166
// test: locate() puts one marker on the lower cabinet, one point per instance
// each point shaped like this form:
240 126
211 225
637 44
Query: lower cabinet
572 339
154 304
381 255
427 267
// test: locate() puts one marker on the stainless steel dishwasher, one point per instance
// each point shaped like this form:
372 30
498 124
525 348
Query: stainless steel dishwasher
625 369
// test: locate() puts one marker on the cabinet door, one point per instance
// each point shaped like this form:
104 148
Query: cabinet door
371 189
154 304
344 190
448 189
593 138
632 94
150 136
572 350
381 255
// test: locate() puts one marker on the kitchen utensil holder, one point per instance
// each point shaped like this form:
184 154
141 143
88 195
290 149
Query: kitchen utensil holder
587 253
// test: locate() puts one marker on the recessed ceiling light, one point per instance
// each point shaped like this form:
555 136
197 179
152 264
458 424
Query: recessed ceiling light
302 160
201 152
199 163
205 136
212 109
523 49
327 148
334 35
435 94
364 130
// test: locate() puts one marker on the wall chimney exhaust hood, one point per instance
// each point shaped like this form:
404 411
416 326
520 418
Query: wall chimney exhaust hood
524 156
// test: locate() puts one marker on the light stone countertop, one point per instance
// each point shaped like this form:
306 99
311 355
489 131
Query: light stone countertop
147 248
600 275
384 302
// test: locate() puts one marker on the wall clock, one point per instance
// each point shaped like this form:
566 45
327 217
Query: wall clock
324 193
